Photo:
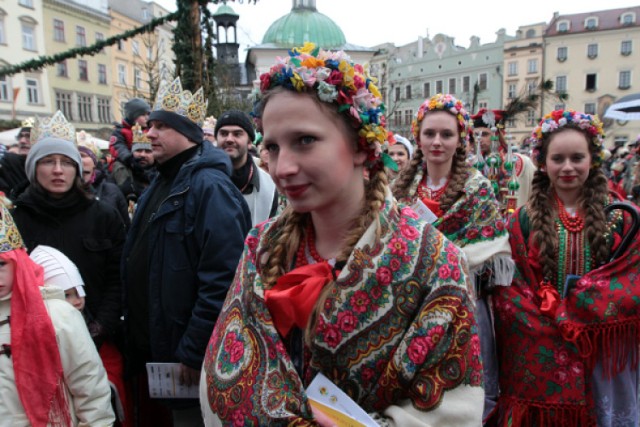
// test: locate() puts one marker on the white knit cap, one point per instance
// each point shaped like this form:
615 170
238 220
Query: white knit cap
59 270
407 144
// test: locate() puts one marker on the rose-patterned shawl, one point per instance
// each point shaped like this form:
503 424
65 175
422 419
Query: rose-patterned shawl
555 366
398 335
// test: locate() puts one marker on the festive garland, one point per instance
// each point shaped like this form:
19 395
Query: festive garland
43 61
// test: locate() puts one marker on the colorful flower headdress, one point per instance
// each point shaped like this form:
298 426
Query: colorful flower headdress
560 118
55 126
336 79
444 102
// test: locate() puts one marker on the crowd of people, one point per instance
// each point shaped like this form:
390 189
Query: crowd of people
442 278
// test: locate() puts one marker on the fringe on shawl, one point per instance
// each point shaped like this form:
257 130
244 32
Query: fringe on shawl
498 271
518 412
59 413
615 344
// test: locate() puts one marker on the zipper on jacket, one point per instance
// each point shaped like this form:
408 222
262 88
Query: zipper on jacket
153 215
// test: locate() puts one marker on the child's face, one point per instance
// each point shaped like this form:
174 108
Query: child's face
72 297
6 277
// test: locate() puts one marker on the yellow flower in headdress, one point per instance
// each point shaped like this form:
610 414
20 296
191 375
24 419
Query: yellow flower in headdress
374 90
297 82
307 48
347 73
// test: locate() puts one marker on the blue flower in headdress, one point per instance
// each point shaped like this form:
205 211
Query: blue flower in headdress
331 63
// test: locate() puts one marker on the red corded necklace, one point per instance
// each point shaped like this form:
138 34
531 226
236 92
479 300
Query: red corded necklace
424 192
573 224
308 242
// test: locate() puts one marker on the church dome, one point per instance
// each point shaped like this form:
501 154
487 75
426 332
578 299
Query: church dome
304 24
225 10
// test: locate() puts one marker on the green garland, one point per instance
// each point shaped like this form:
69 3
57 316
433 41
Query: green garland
43 61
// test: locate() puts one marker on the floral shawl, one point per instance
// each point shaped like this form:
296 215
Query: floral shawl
474 224
397 335
547 360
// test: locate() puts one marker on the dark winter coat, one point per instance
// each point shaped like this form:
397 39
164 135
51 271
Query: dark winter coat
110 194
91 234
196 238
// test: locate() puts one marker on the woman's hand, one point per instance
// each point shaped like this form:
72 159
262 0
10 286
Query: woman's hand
322 418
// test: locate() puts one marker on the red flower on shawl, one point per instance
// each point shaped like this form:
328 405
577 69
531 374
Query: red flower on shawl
384 276
347 321
332 335
408 212
375 292
471 234
360 301
237 418
410 233
561 376
397 246
444 272
487 231
452 258
561 356
236 352
418 349
455 274
395 264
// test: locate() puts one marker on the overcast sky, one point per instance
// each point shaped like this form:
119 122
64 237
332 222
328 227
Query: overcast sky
402 21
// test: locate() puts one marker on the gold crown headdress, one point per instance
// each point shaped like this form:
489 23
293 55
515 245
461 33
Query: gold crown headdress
84 139
27 123
10 237
172 98
210 123
139 137
55 126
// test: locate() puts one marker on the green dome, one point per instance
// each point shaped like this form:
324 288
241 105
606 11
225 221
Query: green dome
305 25
224 10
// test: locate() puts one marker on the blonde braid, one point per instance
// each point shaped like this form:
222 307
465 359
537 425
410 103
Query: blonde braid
375 194
459 174
540 209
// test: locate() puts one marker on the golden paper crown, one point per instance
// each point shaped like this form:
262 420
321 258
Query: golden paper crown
139 137
27 123
10 237
55 126
84 139
172 98
210 123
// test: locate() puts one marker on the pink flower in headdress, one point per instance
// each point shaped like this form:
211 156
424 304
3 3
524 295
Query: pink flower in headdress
308 76
358 81
335 78
265 81
322 73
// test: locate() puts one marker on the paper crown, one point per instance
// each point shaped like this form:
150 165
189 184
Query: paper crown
27 123
209 123
84 139
172 98
10 237
55 126
139 137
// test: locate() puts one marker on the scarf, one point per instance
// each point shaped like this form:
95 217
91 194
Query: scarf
550 345
71 202
36 359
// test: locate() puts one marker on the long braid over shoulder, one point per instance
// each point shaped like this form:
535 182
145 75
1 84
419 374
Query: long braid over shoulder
402 184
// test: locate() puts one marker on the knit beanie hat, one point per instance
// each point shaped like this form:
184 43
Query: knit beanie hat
236 118
46 147
59 270
179 123
135 108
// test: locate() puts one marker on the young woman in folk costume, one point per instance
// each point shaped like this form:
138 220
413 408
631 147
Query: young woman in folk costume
344 282
568 347
467 210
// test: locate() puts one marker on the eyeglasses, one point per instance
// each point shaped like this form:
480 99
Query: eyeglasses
52 163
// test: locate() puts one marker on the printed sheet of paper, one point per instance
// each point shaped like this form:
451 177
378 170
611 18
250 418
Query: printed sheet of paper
424 212
164 384
328 398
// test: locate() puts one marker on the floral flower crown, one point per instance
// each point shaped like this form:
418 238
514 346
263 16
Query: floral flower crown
560 118
443 102
336 79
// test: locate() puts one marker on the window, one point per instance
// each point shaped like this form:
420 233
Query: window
531 118
33 92
624 80
28 36
590 83
135 47
512 68
563 53
84 108
63 103
426 90
530 33
27 3
452 86
532 85
532 66
625 47
120 45
397 118
81 36
149 53
99 38
592 50
483 104
58 30
102 74
511 91
590 108
408 117
591 23
619 141
5 89
561 84
104 110
137 78
3 37
61 69
122 74
562 26
439 86
628 19
397 94
83 71
482 81
145 14
466 84
408 91
559 107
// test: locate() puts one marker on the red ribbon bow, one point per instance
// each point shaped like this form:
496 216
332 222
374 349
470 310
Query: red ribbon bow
550 299
292 299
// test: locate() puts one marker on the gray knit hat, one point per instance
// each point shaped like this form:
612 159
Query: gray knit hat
135 108
46 147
